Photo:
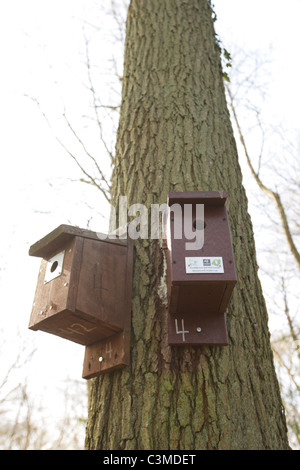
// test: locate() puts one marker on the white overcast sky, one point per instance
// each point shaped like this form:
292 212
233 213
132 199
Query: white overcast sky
41 47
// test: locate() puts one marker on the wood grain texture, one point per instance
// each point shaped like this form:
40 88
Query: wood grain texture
52 242
113 352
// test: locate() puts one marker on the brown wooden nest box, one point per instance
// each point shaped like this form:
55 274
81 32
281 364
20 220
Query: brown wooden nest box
200 281
83 294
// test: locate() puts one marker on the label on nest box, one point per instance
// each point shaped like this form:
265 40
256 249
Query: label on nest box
207 264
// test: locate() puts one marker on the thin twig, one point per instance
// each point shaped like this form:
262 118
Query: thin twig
288 316
85 150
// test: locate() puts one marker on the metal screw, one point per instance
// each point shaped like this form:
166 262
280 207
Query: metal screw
41 312
66 284
50 308
199 329
100 359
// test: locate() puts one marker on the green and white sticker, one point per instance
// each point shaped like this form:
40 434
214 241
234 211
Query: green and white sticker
207 264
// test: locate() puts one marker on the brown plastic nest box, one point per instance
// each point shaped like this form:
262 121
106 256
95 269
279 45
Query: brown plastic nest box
83 294
200 281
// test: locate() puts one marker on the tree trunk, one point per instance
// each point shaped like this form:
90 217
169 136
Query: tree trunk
175 135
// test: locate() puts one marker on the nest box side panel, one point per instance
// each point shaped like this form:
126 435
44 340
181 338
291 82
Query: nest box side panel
102 283
217 243
114 352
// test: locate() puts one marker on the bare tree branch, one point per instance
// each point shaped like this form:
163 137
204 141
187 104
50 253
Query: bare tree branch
113 108
94 99
92 180
288 316
119 21
269 192
86 151
90 177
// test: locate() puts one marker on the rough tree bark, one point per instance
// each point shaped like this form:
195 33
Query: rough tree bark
175 135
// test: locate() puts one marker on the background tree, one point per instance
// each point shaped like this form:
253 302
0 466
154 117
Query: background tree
175 134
